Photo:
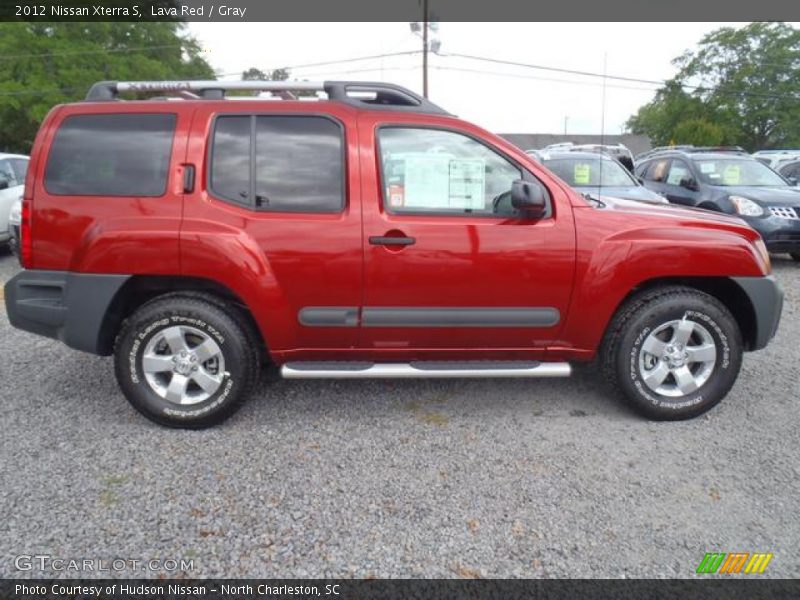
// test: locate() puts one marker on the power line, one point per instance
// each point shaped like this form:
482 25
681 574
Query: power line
331 62
79 52
700 88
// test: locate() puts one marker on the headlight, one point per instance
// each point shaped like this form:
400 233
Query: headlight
746 207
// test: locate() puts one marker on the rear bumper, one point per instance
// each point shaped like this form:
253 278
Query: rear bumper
766 298
70 307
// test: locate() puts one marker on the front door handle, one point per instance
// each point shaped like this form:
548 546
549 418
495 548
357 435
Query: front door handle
386 240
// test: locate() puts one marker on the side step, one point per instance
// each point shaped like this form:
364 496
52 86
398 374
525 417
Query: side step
423 369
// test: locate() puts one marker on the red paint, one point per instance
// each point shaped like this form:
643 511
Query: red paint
581 260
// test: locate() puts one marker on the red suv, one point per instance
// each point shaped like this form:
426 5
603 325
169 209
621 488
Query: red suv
367 234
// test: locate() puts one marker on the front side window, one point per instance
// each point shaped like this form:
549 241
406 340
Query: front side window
111 155
435 171
279 163
678 172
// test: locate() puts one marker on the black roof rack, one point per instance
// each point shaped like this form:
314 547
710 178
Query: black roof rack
361 94
692 150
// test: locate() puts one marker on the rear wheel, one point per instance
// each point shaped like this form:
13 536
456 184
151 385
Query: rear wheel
673 352
184 361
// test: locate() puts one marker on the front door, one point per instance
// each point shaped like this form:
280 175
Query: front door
449 263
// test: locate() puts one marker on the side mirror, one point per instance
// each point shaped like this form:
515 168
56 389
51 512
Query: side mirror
792 180
4 184
528 197
689 184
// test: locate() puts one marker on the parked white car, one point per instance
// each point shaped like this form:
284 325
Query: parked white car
13 168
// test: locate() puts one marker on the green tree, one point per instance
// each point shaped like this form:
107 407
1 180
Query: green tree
743 82
698 132
44 64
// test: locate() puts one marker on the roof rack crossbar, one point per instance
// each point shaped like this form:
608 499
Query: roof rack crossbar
363 94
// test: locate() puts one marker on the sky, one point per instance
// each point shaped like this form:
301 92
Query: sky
501 98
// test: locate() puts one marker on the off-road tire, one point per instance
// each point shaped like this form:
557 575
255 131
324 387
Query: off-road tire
637 318
225 324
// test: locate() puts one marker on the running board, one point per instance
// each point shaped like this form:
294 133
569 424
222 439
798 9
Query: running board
423 369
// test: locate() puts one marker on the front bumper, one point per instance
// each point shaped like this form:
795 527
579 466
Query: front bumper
71 307
780 235
766 298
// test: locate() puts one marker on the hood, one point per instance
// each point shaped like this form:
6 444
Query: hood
633 192
767 196
671 212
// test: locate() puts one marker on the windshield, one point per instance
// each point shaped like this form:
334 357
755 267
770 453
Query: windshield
590 172
737 171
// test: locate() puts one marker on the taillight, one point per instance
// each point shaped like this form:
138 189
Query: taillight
26 239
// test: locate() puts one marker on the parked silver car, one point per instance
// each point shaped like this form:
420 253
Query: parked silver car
13 168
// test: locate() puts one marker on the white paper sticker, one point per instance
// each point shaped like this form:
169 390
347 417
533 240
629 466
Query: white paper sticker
708 167
427 181
467 183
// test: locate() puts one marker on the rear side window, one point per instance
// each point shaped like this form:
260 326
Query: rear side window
278 162
111 155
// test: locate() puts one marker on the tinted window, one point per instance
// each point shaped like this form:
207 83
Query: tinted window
230 164
111 155
429 170
297 162
657 171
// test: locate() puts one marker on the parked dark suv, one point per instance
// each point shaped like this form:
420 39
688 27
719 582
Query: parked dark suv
730 183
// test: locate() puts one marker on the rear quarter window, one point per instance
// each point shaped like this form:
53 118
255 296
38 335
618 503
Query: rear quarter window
111 155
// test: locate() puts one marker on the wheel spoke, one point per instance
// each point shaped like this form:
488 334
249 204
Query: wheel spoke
157 363
703 354
683 332
685 380
210 383
653 345
208 349
176 391
175 340
656 377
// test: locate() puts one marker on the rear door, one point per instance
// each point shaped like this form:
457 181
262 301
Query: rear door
275 216
450 265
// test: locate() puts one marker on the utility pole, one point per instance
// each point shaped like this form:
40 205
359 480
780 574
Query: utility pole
430 43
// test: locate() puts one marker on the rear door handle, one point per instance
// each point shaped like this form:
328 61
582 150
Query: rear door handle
384 240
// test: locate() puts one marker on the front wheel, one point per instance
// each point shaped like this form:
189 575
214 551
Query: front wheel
185 361
795 256
673 352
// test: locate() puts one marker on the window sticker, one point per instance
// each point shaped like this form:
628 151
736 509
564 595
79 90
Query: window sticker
582 174
427 181
708 168
467 183
732 175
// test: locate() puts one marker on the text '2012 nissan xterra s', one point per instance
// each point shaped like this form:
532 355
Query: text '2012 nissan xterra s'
368 234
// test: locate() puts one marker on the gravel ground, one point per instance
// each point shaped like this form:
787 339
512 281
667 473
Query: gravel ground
505 478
